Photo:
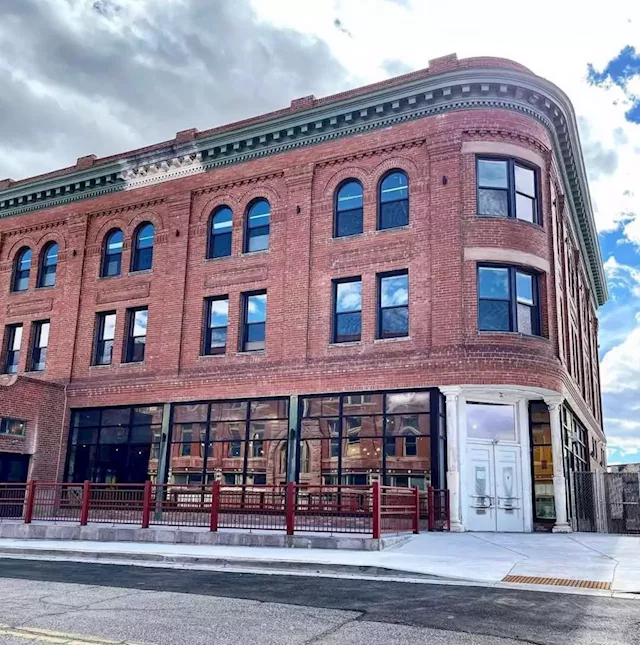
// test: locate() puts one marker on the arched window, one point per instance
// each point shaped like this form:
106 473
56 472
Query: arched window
220 233
48 265
112 255
305 465
257 231
348 209
143 247
22 270
393 200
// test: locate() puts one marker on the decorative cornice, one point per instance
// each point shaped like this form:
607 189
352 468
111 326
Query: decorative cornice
128 208
32 229
374 152
459 89
483 133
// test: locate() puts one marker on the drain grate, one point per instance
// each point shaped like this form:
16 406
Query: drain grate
558 582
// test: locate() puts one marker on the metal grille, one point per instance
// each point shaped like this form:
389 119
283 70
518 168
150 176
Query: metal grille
605 502
340 509
180 505
58 502
558 582
253 507
398 510
116 503
12 500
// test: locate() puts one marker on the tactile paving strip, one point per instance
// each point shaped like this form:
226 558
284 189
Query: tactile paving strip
558 582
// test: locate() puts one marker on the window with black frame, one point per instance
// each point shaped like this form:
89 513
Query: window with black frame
48 265
40 344
507 188
220 231
393 304
114 445
542 458
105 334
393 200
508 300
136 335
21 270
13 427
352 439
13 342
234 441
216 321
142 259
347 310
254 321
257 227
348 216
112 254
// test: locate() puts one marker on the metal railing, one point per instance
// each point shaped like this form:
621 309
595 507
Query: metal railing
375 510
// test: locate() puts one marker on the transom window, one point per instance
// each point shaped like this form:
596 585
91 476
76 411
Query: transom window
220 226
258 222
507 188
393 207
48 265
348 209
393 305
347 317
22 270
508 300
112 254
143 248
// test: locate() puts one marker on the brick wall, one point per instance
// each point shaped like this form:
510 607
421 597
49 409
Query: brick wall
444 346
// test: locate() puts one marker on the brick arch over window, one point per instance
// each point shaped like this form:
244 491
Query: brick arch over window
409 167
151 217
260 192
21 242
340 176
98 235
223 199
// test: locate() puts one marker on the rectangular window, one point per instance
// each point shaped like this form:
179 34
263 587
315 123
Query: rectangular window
105 333
40 345
136 335
508 300
14 427
13 335
217 318
347 310
393 305
507 188
254 321
410 446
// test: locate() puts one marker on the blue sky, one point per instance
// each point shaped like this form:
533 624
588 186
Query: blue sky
154 68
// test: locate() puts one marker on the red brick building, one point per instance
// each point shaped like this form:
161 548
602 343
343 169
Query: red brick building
398 282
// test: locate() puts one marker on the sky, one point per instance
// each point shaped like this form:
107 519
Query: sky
102 76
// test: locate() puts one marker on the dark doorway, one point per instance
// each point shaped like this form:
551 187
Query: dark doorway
13 470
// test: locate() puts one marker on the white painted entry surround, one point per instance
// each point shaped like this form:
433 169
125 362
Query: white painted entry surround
502 501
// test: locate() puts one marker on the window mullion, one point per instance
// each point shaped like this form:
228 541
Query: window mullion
513 287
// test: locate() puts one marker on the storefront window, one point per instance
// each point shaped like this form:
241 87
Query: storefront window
542 461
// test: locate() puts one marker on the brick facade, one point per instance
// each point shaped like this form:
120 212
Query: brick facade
444 346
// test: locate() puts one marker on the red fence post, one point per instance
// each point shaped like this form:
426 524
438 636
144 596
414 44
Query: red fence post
215 506
416 510
86 494
375 491
431 509
31 498
146 505
290 504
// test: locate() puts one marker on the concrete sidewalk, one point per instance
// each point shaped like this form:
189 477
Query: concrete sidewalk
472 558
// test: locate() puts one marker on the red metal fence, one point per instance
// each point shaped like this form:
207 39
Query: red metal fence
375 510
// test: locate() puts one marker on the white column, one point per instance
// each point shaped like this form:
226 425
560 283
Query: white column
559 480
453 456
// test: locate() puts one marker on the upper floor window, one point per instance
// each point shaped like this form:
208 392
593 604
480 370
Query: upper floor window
48 265
348 209
112 254
13 341
136 335
105 334
254 321
393 201
15 427
220 233
22 270
508 300
393 305
257 231
507 188
40 344
347 314
217 319
143 247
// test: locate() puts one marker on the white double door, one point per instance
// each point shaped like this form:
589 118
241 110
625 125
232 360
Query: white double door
494 487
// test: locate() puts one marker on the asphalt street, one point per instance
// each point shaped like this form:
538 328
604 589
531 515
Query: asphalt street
104 603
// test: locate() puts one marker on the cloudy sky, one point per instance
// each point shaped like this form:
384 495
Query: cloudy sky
102 76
